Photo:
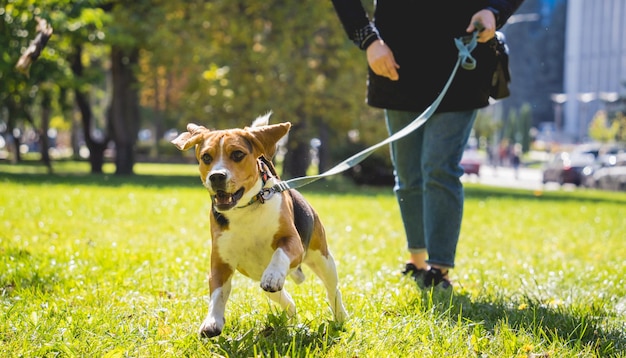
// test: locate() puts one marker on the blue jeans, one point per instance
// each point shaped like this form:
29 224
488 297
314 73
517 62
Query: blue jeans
428 188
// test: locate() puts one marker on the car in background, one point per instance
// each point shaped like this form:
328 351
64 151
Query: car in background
605 158
587 175
470 162
611 176
566 167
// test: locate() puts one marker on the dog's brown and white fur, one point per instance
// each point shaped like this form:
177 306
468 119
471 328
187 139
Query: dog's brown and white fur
265 239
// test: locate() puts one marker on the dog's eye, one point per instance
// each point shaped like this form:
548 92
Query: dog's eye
206 158
237 156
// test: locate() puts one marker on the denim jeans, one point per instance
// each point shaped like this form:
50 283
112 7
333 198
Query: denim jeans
428 186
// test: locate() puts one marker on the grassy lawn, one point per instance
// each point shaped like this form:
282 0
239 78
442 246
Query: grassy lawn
105 266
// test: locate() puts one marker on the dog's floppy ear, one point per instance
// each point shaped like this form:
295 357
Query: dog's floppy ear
269 135
190 138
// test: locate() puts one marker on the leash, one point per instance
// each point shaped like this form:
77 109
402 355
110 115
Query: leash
465 45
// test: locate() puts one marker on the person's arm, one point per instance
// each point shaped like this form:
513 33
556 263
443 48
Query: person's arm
493 17
364 34
356 23
503 9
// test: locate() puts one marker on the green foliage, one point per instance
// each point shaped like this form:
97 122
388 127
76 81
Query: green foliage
219 63
243 59
517 127
606 130
486 126
17 24
73 23
110 266
524 126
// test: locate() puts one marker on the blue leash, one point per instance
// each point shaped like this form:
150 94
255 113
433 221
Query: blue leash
465 45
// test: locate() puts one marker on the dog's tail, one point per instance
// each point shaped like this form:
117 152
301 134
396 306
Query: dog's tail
262 120
297 275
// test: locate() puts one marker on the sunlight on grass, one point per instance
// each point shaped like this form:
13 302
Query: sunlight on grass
118 267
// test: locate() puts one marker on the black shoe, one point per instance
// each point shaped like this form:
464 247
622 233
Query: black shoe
436 278
414 272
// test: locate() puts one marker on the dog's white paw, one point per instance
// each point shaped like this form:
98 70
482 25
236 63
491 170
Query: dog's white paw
272 281
211 328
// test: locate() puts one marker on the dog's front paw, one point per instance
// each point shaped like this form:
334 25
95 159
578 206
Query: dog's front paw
210 328
272 281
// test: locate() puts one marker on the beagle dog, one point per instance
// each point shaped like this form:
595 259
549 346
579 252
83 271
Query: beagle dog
263 233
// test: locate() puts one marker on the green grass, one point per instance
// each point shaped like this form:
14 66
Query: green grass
106 266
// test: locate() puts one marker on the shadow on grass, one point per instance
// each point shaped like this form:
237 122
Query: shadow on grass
277 338
576 328
24 271
104 180
338 185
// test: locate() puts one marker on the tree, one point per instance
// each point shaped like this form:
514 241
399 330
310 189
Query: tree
15 27
289 57
59 70
602 129
95 144
524 126
486 126
86 23
24 88
220 63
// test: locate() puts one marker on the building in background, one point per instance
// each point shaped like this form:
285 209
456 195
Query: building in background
536 38
595 61
567 61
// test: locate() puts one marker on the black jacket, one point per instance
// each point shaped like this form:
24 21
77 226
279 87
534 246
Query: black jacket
421 33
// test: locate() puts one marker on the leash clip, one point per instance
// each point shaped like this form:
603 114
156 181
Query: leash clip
265 194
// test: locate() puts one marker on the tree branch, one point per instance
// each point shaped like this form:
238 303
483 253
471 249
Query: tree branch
44 32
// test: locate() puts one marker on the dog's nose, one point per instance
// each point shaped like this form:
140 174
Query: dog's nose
217 178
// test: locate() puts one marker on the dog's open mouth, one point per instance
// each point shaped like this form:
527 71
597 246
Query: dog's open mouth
225 201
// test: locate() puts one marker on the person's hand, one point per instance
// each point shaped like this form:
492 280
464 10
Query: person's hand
381 60
488 20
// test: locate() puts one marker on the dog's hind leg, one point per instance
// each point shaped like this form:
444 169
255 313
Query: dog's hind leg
285 301
297 275
324 267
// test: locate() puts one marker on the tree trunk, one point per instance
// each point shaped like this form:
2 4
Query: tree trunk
123 114
323 152
298 156
14 146
45 126
14 141
158 116
96 148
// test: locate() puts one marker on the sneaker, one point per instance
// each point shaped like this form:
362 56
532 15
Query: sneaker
414 272
436 278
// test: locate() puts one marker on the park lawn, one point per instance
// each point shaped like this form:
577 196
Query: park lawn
106 266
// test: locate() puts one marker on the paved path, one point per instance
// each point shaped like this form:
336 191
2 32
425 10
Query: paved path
526 178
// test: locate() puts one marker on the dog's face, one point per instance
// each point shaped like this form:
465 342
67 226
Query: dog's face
228 159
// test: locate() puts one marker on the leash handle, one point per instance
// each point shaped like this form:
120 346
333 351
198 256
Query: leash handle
464 59
479 26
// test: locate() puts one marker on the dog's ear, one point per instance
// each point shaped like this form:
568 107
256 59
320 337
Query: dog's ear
269 135
190 138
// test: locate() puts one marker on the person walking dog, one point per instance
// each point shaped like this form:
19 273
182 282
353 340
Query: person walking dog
411 52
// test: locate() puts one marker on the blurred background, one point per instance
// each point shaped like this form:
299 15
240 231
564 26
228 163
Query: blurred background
119 79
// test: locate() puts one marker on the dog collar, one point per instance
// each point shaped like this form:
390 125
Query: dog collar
267 171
